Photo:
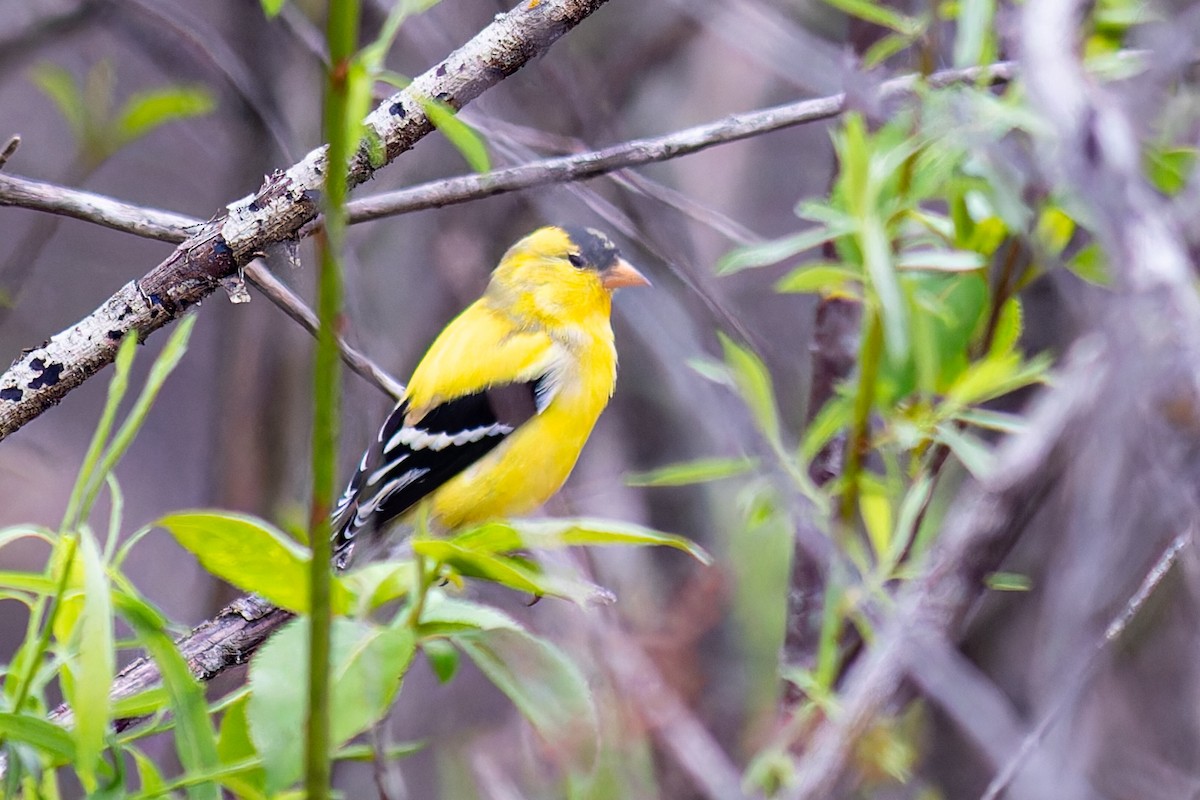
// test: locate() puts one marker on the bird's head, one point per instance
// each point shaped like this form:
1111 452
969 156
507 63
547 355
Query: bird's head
561 275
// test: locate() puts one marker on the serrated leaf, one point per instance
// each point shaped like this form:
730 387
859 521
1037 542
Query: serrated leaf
545 686
369 662
250 554
1009 324
145 111
688 473
195 741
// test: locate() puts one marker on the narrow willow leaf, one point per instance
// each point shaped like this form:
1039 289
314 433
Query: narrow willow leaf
973 453
468 143
1008 582
148 110
514 573
754 385
776 250
687 473
96 660
195 741
827 280
55 742
548 534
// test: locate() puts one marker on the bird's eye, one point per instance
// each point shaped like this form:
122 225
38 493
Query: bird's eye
576 260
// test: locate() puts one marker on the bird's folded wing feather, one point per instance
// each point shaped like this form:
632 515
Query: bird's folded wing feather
478 383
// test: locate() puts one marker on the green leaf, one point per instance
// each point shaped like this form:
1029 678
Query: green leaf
776 250
272 8
549 534
827 280
1054 229
116 392
172 353
60 86
1090 265
512 572
879 14
545 686
145 111
235 746
377 584
143 704
833 417
55 742
369 662
458 133
149 777
96 663
972 452
992 420
687 473
941 260
442 658
251 555
443 614
975 32
195 741
754 385
1008 582
1170 167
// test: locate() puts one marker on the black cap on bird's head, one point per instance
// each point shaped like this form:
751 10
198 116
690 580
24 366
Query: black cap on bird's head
597 252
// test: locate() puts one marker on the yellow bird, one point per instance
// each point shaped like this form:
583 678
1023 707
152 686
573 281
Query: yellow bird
498 409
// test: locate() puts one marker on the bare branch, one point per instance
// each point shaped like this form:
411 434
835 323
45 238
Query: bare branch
980 530
13 143
42 376
643 151
1072 689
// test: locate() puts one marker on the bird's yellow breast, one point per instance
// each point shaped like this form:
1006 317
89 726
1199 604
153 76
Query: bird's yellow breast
526 469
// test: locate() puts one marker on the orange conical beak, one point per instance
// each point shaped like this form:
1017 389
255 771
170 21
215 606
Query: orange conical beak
622 274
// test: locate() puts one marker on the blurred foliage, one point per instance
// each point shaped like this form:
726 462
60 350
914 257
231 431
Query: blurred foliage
101 128
923 228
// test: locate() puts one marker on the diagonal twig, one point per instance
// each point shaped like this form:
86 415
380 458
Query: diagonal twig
42 376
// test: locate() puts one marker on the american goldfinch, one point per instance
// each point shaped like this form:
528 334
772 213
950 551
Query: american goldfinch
498 409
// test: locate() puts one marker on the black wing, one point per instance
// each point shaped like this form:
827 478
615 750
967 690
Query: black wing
407 462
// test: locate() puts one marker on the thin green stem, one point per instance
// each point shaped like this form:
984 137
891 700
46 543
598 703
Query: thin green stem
71 541
858 443
341 34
